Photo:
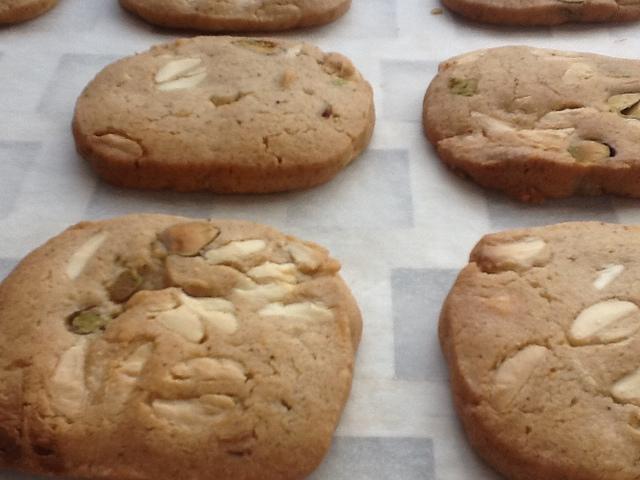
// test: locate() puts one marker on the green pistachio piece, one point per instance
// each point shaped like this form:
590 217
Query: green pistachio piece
339 82
588 151
467 87
86 322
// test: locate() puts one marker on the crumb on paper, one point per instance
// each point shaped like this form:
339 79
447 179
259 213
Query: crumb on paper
437 11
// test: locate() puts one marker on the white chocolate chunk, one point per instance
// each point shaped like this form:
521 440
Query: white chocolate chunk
297 311
627 389
183 321
605 322
607 275
514 373
177 68
81 257
285 272
67 387
235 251
206 368
523 253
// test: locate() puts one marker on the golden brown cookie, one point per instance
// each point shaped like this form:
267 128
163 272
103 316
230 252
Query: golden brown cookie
15 11
541 332
161 348
225 114
238 15
545 12
538 123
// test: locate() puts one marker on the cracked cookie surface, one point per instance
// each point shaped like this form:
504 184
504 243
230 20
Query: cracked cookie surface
225 114
238 15
545 12
538 123
160 347
541 332
15 11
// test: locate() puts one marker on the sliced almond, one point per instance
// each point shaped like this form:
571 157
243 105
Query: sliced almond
216 312
518 255
306 258
183 321
513 374
205 368
607 275
267 293
298 311
177 68
67 387
627 389
235 251
81 257
134 363
605 322
269 271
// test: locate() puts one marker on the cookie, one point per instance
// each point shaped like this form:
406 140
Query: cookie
538 123
160 347
225 114
238 16
15 11
541 332
545 12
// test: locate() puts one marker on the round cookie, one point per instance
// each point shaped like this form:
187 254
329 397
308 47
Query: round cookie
545 12
238 16
541 332
160 347
15 11
225 114
538 123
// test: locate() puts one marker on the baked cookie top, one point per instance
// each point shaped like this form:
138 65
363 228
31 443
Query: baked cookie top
226 114
538 123
238 15
159 347
14 11
545 12
542 335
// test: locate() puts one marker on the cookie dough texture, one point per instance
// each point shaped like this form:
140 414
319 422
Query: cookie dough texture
541 332
538 123
239 15
158 347
15 11
545 12
226 114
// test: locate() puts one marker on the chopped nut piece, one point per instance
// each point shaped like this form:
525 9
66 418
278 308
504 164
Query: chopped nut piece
605 322
514 373
588 151
627 389
81 257
87 322
464 87
125 285
187 239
